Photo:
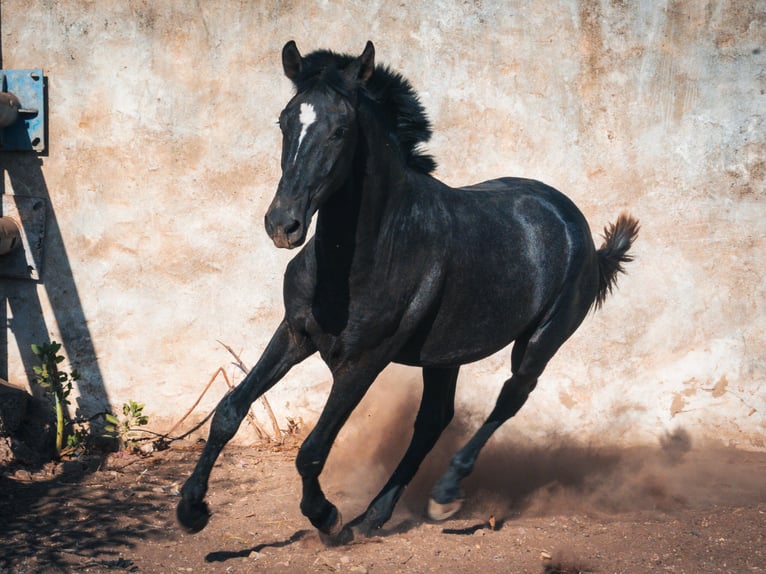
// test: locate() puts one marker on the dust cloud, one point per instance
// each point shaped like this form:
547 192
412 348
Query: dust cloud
512 479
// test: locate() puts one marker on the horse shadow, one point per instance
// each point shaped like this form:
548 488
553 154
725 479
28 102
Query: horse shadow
223 555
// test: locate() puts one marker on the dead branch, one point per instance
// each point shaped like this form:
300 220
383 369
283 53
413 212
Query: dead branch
259 430
194 406
239 363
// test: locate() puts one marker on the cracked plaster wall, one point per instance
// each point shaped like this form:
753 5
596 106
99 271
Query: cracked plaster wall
163 156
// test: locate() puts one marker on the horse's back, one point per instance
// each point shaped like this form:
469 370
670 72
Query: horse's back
520 192
507 213
532 213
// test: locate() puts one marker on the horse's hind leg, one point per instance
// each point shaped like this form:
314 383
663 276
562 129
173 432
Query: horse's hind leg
446 495
284 351
529 358
435 413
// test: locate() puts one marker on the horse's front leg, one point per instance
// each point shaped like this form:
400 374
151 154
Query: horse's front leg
349 386
283 351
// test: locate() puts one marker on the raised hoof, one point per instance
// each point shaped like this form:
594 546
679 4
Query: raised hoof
439 512
192 517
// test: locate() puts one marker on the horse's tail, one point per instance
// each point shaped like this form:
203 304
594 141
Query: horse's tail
618 237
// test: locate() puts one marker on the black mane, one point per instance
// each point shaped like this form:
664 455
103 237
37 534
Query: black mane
392 92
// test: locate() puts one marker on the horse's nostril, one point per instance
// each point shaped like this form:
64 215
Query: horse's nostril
292 228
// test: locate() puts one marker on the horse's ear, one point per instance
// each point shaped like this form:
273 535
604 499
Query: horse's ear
291 60
367 62
361 69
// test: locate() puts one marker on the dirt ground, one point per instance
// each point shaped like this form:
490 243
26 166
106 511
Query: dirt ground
563 509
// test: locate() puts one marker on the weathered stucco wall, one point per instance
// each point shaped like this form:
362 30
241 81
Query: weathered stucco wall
163 156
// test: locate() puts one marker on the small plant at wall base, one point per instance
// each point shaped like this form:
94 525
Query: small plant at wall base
59 384
125 430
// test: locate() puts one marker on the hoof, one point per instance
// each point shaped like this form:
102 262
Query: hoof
361 530
439 512
192 517
335 534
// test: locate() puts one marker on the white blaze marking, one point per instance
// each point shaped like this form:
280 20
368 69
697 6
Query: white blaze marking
308 116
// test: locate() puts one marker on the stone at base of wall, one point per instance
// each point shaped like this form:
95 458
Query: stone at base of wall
27 434
13 407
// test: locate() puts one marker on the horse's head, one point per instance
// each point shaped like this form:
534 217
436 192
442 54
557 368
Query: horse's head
319 135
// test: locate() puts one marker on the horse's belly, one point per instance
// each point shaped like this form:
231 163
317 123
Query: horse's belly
462 339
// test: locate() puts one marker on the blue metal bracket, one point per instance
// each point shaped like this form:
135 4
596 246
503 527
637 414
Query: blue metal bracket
27 132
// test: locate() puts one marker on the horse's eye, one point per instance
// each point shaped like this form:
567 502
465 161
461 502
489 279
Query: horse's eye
339 133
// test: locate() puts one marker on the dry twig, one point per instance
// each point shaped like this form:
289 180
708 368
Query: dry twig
259 430
239 363
194 406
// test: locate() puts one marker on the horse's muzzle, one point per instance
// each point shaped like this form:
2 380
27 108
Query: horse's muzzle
285 232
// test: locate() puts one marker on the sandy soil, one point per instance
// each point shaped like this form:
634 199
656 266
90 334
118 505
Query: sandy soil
565 509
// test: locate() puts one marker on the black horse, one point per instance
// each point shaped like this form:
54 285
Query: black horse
403 268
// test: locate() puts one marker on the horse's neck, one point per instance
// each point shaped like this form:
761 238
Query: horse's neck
352 218
337 220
